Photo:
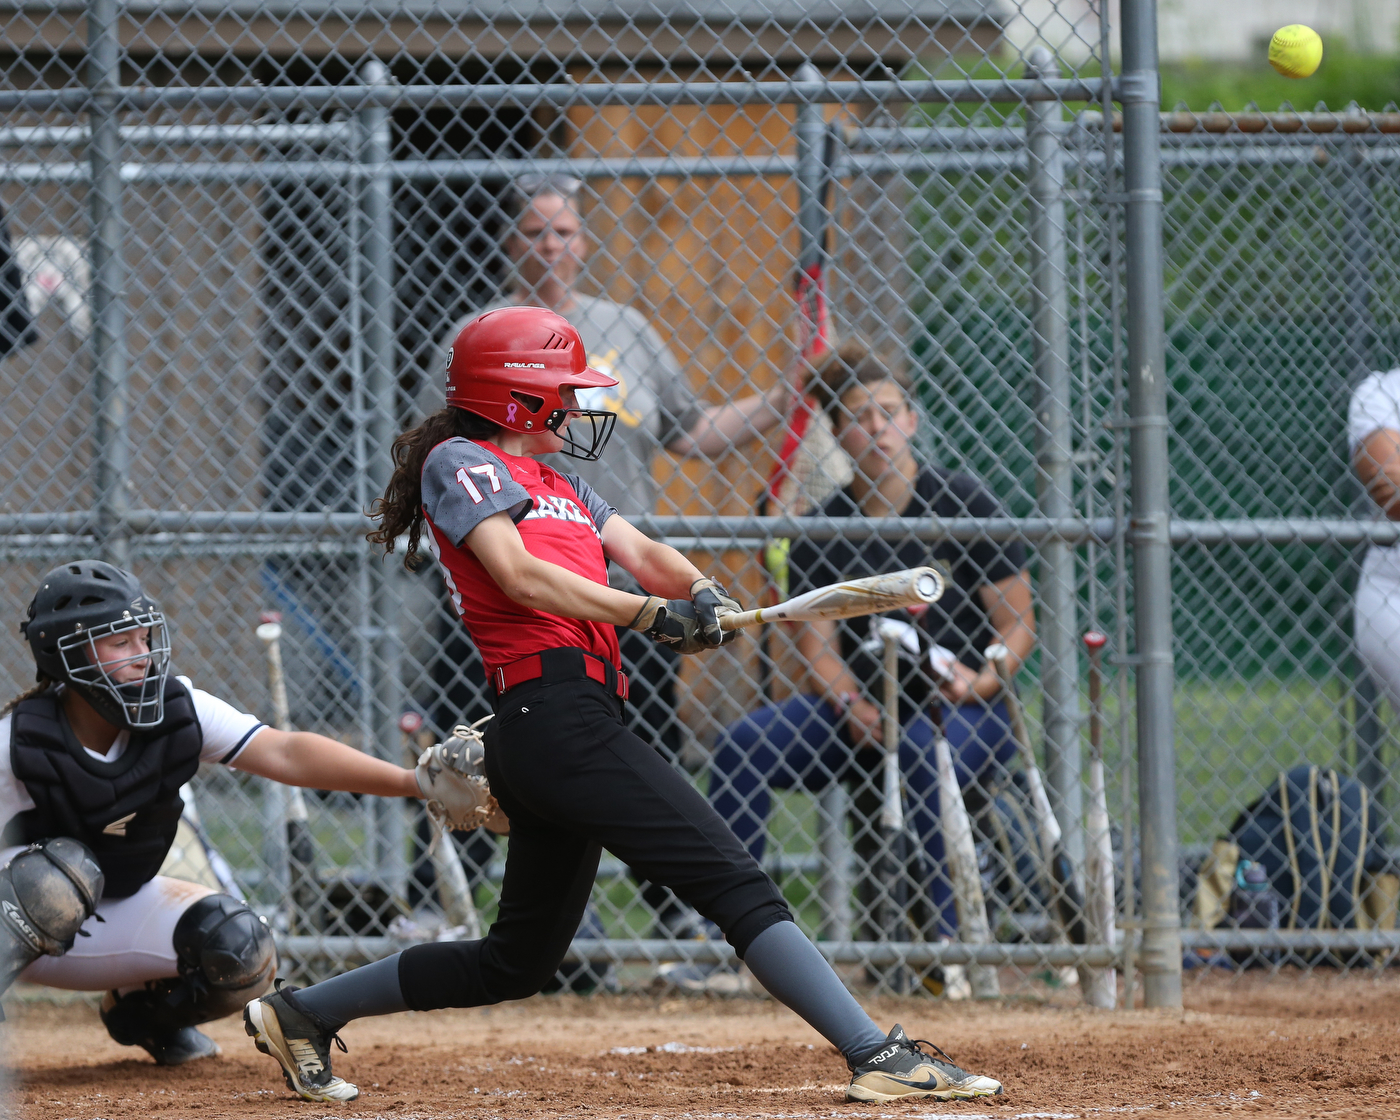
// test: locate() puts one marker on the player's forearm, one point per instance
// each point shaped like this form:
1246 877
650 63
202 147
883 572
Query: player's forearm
657 567
303 758
720 427
829 677
827 674
1377 465
552 589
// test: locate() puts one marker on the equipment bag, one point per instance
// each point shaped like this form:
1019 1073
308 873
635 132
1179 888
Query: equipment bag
1314 832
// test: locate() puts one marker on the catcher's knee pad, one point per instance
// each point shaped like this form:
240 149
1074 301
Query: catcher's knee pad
46 893
224 952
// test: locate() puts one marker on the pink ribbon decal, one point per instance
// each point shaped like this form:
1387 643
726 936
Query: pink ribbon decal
510 413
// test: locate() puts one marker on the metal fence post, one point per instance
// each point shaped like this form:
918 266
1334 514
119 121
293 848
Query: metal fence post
1140 96
381 425
111 435
1358 248
1054 435
833 804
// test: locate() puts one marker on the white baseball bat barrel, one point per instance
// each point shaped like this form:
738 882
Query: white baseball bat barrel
298 856
270 634
1102 991
961 853
892 804
1050 834
848 599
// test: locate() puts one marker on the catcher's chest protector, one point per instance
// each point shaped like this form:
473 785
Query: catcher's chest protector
125 811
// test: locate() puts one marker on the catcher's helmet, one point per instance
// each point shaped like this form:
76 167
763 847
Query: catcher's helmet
510 367
80 602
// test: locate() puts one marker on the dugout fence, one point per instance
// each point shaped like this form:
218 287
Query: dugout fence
246 229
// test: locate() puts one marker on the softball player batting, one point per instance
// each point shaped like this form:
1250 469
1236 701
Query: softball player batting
91 764
524 555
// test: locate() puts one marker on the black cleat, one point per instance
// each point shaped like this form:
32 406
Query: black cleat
301 1043
130 1021
900 1070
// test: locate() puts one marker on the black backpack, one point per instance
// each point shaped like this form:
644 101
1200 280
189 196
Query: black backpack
1315 833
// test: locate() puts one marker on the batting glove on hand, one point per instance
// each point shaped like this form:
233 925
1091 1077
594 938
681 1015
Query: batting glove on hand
452 778
672 622
713 602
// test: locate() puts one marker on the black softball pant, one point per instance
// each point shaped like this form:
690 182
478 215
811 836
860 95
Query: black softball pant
574 779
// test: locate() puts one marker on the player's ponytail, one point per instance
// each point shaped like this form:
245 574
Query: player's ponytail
400 510
43 685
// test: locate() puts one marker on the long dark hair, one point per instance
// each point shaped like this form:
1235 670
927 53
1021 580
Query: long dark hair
43 686
400 510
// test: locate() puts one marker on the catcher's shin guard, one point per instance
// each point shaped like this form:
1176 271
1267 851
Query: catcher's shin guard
46 893
225 957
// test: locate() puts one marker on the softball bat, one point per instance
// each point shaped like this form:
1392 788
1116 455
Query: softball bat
848 599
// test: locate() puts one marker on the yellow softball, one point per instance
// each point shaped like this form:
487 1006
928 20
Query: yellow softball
1295 51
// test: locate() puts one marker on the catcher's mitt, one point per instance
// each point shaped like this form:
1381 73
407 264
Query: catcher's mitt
452 778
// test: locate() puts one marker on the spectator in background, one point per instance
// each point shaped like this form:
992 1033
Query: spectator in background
832 729
657 410
1373 432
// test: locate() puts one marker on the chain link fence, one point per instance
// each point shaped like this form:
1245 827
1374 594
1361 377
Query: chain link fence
247 231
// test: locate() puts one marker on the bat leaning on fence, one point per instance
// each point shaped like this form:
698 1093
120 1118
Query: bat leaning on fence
893 854
960 851
1063 892
1102 991
300 851
454 891
847 599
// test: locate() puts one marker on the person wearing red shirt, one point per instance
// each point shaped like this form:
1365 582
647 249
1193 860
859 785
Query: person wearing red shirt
524 553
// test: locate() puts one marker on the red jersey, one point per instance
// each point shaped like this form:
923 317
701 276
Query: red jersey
560 519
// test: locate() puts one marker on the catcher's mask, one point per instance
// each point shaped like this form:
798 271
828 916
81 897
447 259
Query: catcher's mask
512 367
76 605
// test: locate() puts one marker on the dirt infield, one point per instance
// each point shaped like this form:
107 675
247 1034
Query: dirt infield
1304 1047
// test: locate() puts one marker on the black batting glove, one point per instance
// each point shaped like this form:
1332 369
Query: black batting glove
712 602
671 622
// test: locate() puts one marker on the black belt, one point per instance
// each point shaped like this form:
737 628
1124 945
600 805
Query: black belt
560 665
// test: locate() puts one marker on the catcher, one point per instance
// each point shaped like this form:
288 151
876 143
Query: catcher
524 553
92 759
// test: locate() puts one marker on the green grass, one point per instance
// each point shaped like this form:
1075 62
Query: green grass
1371 80
1232 738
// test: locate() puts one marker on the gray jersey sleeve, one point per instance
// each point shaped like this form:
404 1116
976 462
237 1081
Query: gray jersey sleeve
464 484
597 509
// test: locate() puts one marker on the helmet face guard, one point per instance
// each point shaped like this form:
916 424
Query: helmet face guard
597 425
77 605
136 704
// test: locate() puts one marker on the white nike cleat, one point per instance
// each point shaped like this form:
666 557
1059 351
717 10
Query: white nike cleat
900 1070
301 1043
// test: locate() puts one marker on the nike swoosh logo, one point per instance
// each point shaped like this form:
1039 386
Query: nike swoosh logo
930 1082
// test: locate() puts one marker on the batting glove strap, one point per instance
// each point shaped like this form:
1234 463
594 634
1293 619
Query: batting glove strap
712 602
677 626
646 617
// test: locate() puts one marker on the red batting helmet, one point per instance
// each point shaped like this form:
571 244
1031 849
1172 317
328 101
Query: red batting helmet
511 366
